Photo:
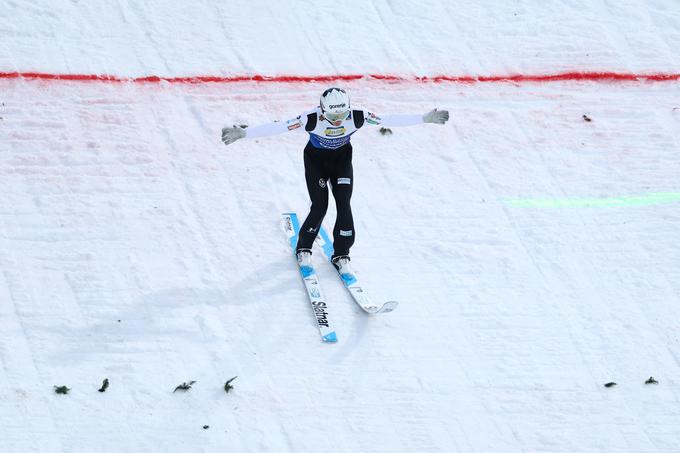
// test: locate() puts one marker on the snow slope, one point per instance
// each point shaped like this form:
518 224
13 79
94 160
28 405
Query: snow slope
532 260
168 38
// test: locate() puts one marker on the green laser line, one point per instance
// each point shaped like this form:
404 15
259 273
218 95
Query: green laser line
612 202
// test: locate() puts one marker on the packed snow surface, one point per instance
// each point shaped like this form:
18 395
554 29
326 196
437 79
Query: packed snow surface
532 241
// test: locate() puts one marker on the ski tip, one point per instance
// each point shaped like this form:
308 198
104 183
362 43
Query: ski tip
389 306
330 338
385 308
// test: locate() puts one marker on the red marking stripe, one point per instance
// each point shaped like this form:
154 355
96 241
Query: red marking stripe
517 78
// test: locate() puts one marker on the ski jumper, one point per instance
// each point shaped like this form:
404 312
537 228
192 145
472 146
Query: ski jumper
328 161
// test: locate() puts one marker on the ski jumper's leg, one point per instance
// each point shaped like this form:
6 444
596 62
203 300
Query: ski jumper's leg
317 186
342 182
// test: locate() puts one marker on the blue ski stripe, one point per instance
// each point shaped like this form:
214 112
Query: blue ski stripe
327 243
348 279
296 229
330 338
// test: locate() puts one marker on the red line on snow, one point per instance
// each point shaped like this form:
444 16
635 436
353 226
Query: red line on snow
607 77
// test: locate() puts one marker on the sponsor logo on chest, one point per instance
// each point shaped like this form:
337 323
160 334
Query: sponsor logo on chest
335 131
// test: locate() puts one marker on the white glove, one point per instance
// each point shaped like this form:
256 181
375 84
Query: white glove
231 134
436 116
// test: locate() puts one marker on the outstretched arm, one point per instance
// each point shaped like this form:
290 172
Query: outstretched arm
231 134
434 116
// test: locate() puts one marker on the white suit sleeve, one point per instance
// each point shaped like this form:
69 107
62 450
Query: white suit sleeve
393 120
277 127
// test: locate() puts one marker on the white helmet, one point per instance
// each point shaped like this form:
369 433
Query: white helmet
335 104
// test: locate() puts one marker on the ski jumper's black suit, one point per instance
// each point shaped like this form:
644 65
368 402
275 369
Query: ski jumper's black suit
328 161
324 167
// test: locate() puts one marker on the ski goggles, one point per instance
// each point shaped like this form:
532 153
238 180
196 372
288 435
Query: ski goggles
336 116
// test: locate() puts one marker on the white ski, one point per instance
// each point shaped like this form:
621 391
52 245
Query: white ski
291 226
351 282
